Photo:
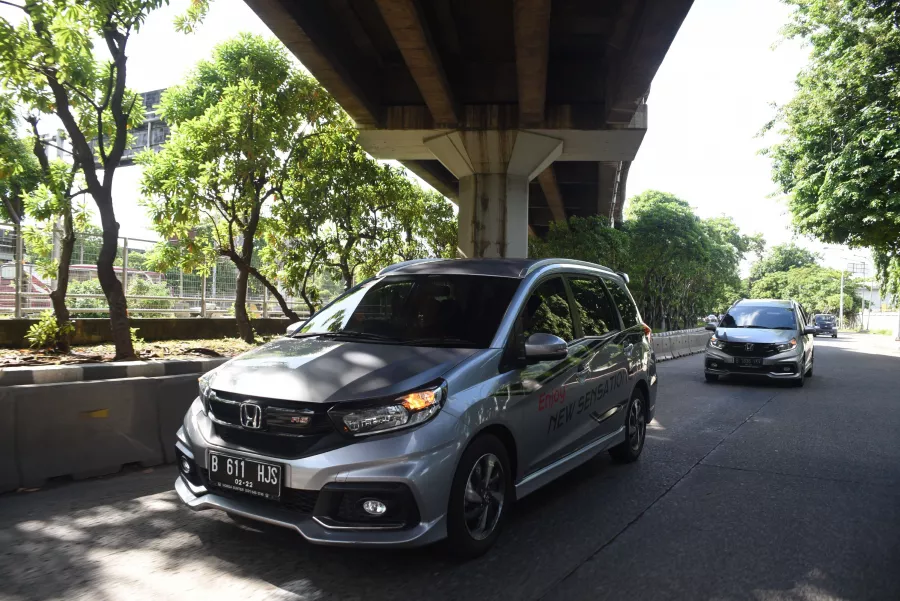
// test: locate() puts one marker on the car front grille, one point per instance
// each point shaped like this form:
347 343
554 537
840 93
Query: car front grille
740 349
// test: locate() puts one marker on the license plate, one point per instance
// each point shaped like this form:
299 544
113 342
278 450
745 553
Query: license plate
245 475
750 362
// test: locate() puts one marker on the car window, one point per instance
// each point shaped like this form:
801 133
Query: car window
766 317
595 308
623 301
547 311
426 309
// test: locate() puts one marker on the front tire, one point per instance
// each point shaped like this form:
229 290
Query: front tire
635 431
479 498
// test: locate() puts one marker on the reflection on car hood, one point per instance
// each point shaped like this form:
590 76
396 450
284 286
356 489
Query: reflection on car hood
754 335
324 370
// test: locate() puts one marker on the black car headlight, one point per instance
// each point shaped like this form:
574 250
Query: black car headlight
716 343
405 411
787 346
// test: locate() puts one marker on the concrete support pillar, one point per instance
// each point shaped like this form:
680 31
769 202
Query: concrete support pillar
494 168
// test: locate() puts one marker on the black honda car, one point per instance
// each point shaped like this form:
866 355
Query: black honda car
825 325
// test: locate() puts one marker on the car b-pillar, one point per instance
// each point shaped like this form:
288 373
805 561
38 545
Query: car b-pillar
494 168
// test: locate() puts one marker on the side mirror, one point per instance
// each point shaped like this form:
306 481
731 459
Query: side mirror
810 330
711 327
291 329
545 347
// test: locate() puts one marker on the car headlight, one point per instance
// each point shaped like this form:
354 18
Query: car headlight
787 346
205 391
403 412
716 343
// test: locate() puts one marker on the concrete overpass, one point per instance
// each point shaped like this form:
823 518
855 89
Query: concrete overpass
521 111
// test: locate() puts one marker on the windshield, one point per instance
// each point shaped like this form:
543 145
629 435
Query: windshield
427 310
824 319
772 318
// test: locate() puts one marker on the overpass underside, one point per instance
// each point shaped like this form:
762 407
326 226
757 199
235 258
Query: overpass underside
523 112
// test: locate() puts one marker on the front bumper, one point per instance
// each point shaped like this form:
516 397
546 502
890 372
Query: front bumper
421 459
783 366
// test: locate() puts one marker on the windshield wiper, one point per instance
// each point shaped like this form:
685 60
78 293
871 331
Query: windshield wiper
436 341
348 334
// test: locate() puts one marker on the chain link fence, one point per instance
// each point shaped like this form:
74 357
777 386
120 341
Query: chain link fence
25 287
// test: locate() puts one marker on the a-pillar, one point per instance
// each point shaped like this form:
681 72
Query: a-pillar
494 168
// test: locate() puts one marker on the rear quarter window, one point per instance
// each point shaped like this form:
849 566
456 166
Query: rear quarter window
624 303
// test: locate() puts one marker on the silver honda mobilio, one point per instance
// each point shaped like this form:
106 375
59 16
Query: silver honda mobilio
421 403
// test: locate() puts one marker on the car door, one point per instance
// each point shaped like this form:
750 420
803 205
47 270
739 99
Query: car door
635 346
606 367
549 390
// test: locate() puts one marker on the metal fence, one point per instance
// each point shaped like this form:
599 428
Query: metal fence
150 293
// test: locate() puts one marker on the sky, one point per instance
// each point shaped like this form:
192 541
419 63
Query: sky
711 96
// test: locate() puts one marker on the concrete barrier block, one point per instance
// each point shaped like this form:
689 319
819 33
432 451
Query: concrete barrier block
9 472
174 394
667 347
85 429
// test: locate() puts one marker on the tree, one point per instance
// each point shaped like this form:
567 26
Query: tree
840 157
585 239
815 287
351 216
240 128
782 257
48 60
19 170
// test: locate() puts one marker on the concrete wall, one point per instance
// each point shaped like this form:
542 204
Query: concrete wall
87 331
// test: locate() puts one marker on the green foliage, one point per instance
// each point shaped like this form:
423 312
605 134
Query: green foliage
840 157
585 239
141 286
136 341
19 169
817 288
47 333
86 287
782 258
680 265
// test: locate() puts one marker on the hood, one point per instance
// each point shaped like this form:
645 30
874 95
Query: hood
316 370
754 335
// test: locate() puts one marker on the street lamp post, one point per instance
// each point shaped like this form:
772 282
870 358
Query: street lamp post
841 318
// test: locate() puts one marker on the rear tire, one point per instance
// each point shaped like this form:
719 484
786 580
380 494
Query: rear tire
834 335
470 537
630 449
711 377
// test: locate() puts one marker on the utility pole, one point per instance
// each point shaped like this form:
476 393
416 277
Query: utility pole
841 318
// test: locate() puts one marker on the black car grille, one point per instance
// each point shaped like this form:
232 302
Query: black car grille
282 417
288 429
753 349
293 499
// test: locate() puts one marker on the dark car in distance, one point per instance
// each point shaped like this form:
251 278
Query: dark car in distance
825 325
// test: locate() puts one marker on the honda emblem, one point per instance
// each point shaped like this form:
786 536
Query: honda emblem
251 416
748 346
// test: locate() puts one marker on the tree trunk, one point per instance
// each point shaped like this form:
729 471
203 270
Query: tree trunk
112 287
245 329
292 317
346 274
58 296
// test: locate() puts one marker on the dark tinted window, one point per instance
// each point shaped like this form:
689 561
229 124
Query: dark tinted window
547 311
824 319
760 316
623 301
437 310
594 306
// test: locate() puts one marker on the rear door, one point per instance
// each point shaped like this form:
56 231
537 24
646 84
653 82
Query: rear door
635 345
605 368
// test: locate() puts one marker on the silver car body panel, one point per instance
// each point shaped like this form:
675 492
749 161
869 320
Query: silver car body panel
558 415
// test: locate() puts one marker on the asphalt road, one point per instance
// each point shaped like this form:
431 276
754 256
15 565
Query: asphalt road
745 491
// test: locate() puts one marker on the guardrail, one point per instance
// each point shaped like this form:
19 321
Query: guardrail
92 427
671 345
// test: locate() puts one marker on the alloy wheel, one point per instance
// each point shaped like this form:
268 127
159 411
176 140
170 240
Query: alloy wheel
484 495
637 425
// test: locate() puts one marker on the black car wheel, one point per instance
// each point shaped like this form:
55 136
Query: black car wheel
479 498
635 430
